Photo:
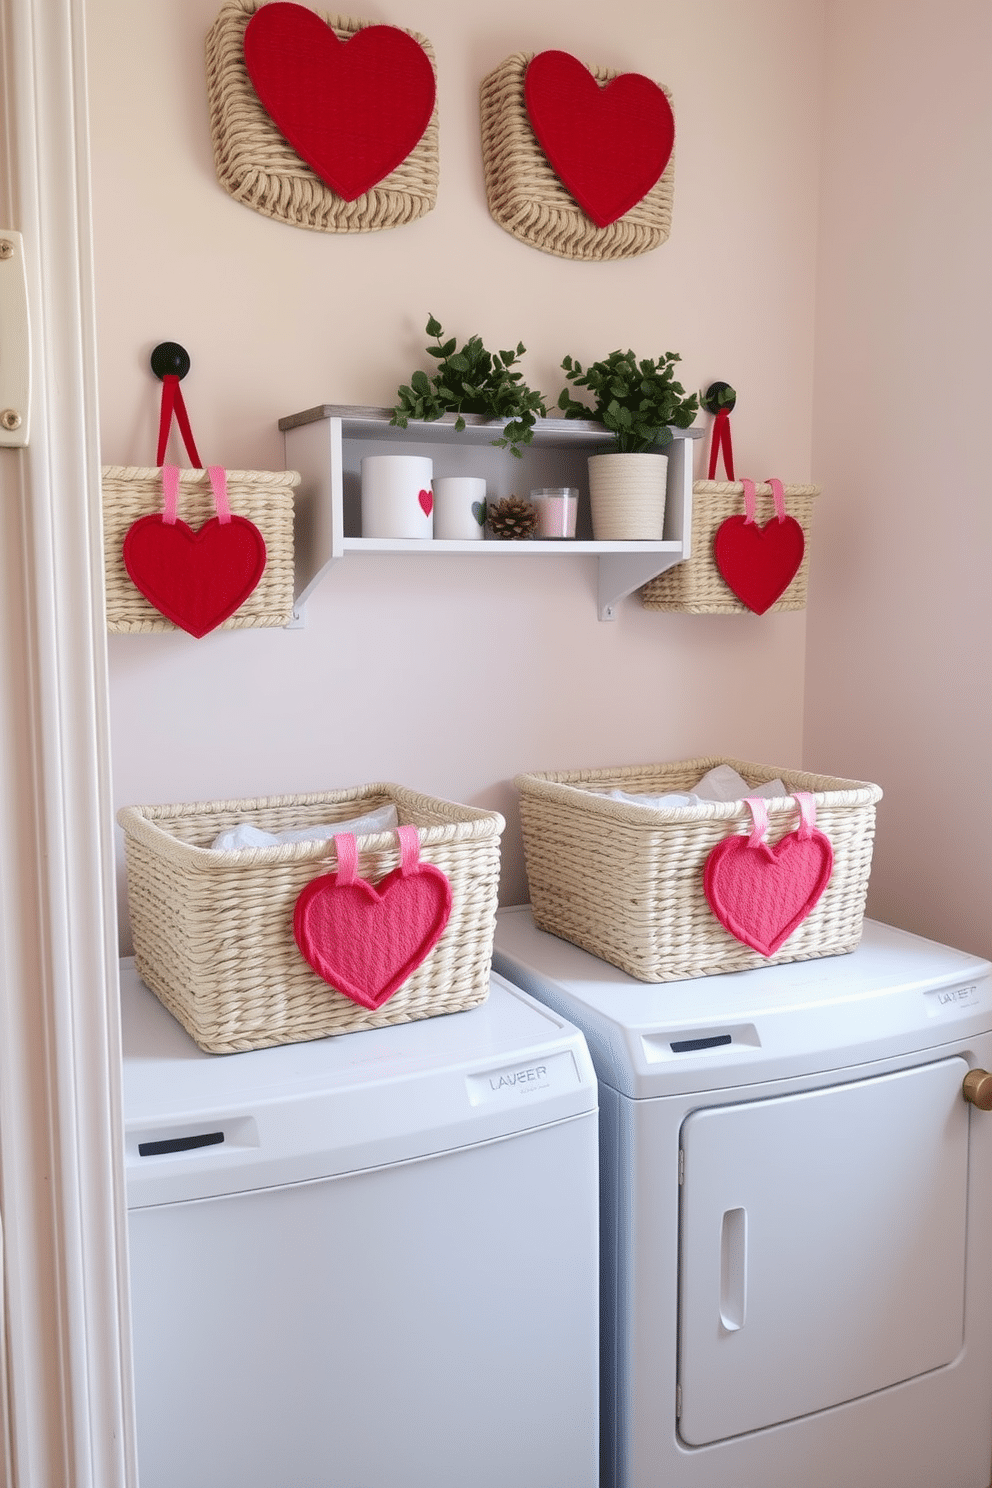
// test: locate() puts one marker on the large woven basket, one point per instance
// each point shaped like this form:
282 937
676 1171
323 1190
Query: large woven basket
528 200
265 497
625 881
696 586
213 931
258 166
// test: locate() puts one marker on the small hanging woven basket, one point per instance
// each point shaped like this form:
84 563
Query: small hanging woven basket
264 497
697 587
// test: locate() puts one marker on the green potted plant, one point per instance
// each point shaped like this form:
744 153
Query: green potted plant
475 381
639 402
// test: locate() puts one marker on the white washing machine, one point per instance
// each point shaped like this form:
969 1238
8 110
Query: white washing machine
365 1262
796 1209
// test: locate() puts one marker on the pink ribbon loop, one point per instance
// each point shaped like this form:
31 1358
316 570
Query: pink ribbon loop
759 817
807 814
409 848
170 489
347 851
778 496
218 484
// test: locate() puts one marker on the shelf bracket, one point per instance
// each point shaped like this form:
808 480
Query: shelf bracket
621 573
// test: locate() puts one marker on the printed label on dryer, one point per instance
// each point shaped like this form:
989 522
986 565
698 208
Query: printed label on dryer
949 999
521 1081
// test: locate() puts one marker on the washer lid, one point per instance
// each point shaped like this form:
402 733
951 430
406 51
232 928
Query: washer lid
894 994
201 1124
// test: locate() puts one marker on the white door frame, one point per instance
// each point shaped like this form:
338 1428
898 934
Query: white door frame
68 1396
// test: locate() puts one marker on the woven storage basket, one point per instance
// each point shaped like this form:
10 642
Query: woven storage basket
213 931
260 168
697 586
626 882
528 200
265 497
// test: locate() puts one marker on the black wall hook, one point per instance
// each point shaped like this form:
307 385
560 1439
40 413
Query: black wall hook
169 357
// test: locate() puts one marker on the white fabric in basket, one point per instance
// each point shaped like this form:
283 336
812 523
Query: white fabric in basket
722 783
245 835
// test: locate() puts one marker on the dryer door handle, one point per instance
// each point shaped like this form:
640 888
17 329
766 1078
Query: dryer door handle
733 1269
977 1088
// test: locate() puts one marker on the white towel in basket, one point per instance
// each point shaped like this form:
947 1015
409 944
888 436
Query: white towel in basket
722 783
245 835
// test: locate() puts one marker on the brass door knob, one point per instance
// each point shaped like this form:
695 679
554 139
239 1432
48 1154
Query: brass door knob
977 1088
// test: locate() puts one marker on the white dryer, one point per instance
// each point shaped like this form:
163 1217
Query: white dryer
796 1210
369 1261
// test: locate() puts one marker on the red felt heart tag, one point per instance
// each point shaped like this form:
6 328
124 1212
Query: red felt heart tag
426 499
761 894
607 143
759 563
366 940
352 110
195 579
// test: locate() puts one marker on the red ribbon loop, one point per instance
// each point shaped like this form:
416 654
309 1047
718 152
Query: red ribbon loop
172 403
721 444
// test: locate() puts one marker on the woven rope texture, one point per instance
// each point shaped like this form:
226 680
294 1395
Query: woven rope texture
262 170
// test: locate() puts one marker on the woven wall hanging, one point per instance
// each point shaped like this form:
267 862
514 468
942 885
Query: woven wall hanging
529 199
258 166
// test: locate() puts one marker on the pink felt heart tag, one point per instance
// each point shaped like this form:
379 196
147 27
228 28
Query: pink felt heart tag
195 579
762 894
759 563
607 143
366 940
426 499
353 110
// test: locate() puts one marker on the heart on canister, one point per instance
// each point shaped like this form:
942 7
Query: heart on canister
607 143
366 940
759 563
195 579
353 110
426 499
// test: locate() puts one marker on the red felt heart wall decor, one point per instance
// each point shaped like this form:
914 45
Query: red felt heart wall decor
608 144
366 940
352 110
759 563
195 579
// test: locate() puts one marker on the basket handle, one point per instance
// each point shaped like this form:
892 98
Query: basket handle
218 484
750 501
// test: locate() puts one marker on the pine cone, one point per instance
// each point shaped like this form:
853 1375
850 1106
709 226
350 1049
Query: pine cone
512 519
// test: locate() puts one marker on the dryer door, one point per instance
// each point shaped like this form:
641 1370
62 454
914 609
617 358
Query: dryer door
822 1247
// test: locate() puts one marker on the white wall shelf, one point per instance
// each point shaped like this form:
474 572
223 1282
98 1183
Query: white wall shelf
326 445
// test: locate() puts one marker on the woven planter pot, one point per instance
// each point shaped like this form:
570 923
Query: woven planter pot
265 497
627 496
697 587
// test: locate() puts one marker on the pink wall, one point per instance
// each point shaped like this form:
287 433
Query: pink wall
900 619
452 674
